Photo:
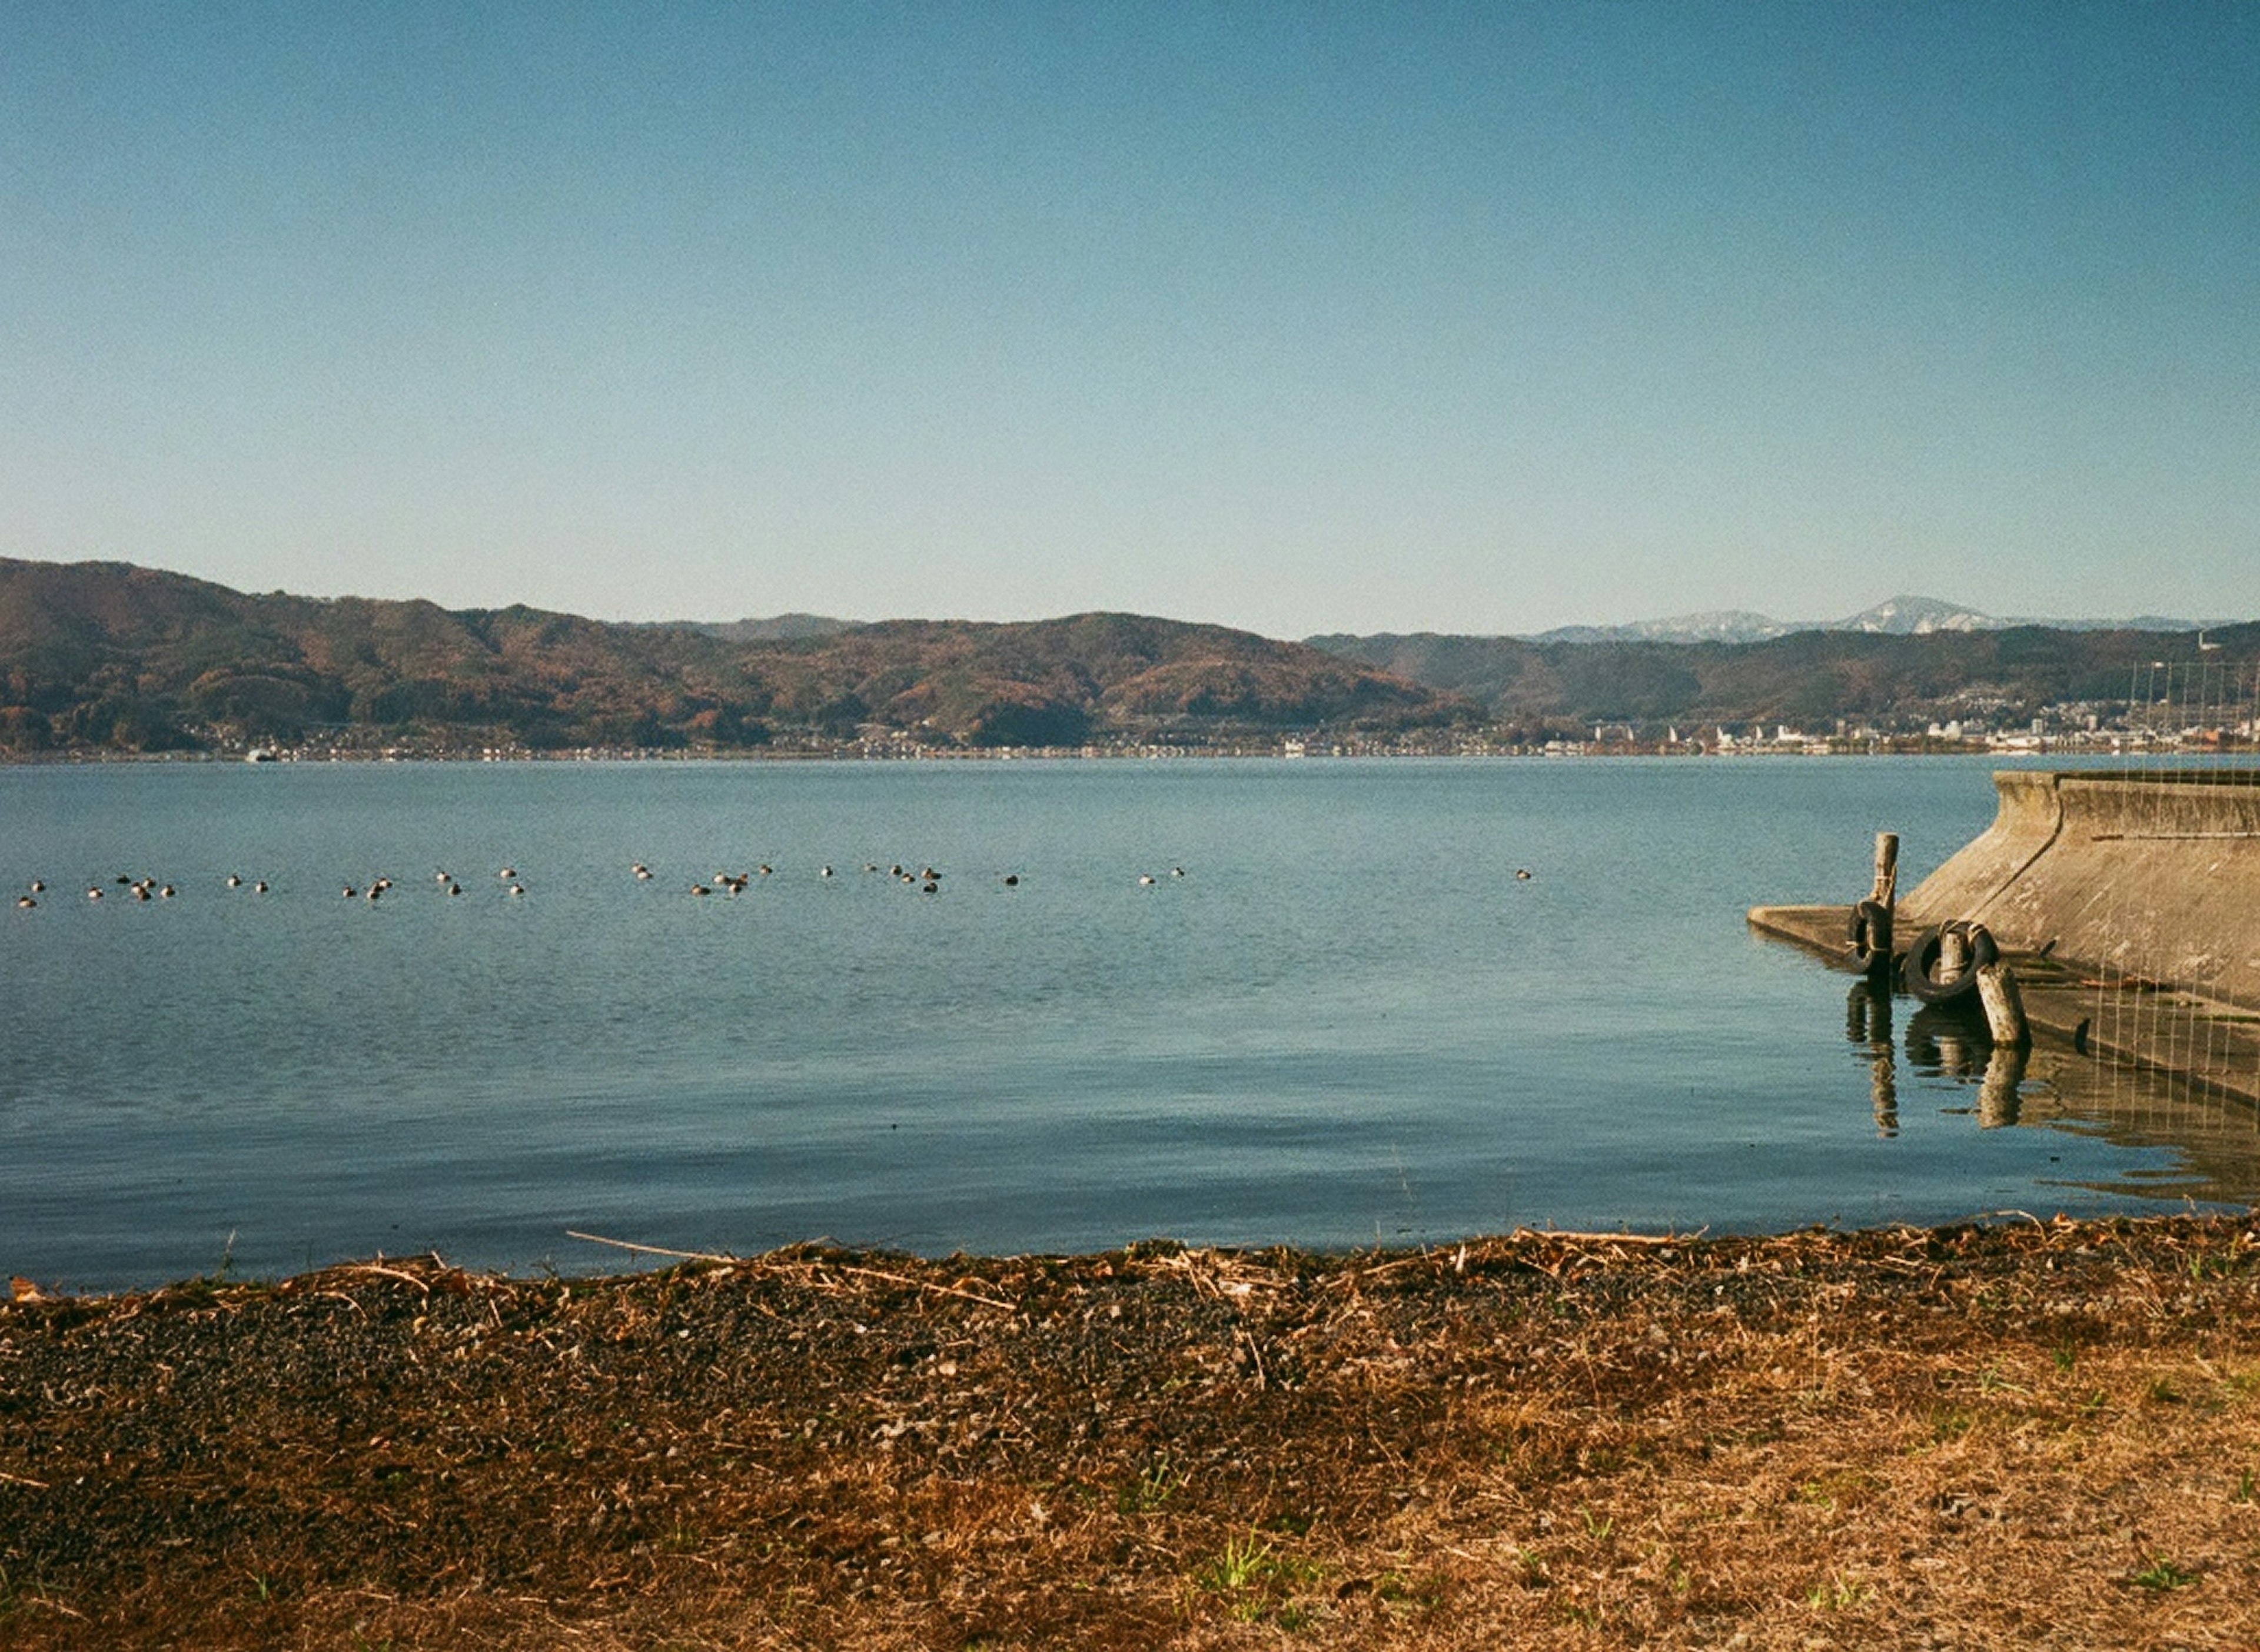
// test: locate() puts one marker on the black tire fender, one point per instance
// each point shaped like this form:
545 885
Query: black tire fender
1870 932
1922 961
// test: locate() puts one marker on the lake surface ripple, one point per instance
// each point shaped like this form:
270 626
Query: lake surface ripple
1348 1022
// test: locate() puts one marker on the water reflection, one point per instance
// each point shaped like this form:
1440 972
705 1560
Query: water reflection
1997 1101
2214 1141
1946 1041
1949 1041
1868 1025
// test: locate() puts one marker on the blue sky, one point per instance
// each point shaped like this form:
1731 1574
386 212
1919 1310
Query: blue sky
1297 318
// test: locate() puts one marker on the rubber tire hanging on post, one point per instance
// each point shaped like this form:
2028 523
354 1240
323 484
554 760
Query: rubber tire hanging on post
1923 959
1870 935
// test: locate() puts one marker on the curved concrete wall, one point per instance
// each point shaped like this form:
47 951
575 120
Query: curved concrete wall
2150 875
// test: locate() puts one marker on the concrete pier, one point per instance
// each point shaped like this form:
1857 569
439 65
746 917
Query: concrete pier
2128 903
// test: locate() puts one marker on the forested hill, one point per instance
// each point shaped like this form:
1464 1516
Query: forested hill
104 656
1810 678
107 656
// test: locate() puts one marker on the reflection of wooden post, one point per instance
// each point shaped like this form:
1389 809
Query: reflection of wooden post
1957 1056
1868 1020
2005 1005
1884 1091
1996 1094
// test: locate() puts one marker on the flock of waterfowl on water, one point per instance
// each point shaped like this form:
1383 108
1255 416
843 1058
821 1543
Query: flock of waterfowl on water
928 880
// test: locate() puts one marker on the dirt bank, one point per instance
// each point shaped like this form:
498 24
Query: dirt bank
2015 1434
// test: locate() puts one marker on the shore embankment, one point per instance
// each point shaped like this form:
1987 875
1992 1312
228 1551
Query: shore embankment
2124 902
2013 1432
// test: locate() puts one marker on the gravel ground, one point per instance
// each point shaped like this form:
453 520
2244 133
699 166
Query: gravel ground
2010 1433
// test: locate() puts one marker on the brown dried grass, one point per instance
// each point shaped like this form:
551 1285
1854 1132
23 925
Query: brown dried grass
2029 1434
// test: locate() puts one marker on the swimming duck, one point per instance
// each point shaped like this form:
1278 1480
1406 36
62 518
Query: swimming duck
24 903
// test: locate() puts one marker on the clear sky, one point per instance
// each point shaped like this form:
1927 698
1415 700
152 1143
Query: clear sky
1300 317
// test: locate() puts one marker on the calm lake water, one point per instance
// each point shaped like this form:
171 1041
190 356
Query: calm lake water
1348 1022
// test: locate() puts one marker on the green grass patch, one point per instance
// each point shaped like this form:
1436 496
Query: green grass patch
1153 1485
1837 1593
2161 1575
1256 1580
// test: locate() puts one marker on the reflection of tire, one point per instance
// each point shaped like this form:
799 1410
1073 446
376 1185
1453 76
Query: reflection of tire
1947 1041
1922 961
1870 932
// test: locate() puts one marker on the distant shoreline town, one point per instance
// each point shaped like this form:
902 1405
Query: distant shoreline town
1951 739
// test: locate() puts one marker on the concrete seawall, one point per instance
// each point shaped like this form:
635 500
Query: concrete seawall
2129 905
2149 875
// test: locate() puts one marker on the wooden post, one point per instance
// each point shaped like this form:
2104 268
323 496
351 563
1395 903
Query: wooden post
1871 919
2005 1005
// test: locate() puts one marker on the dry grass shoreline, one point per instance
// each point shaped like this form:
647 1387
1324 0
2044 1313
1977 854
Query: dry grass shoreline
2015 1434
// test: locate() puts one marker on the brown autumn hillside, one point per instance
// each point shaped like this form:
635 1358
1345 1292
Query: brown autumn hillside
105 655
1533 687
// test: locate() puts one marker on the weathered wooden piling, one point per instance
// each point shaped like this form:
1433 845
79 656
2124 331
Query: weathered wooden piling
1872 918
1953 955
2005 1005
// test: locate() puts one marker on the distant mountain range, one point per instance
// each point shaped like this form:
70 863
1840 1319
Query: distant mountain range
106 657
1902 616
777 628
1896 682
1899 616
